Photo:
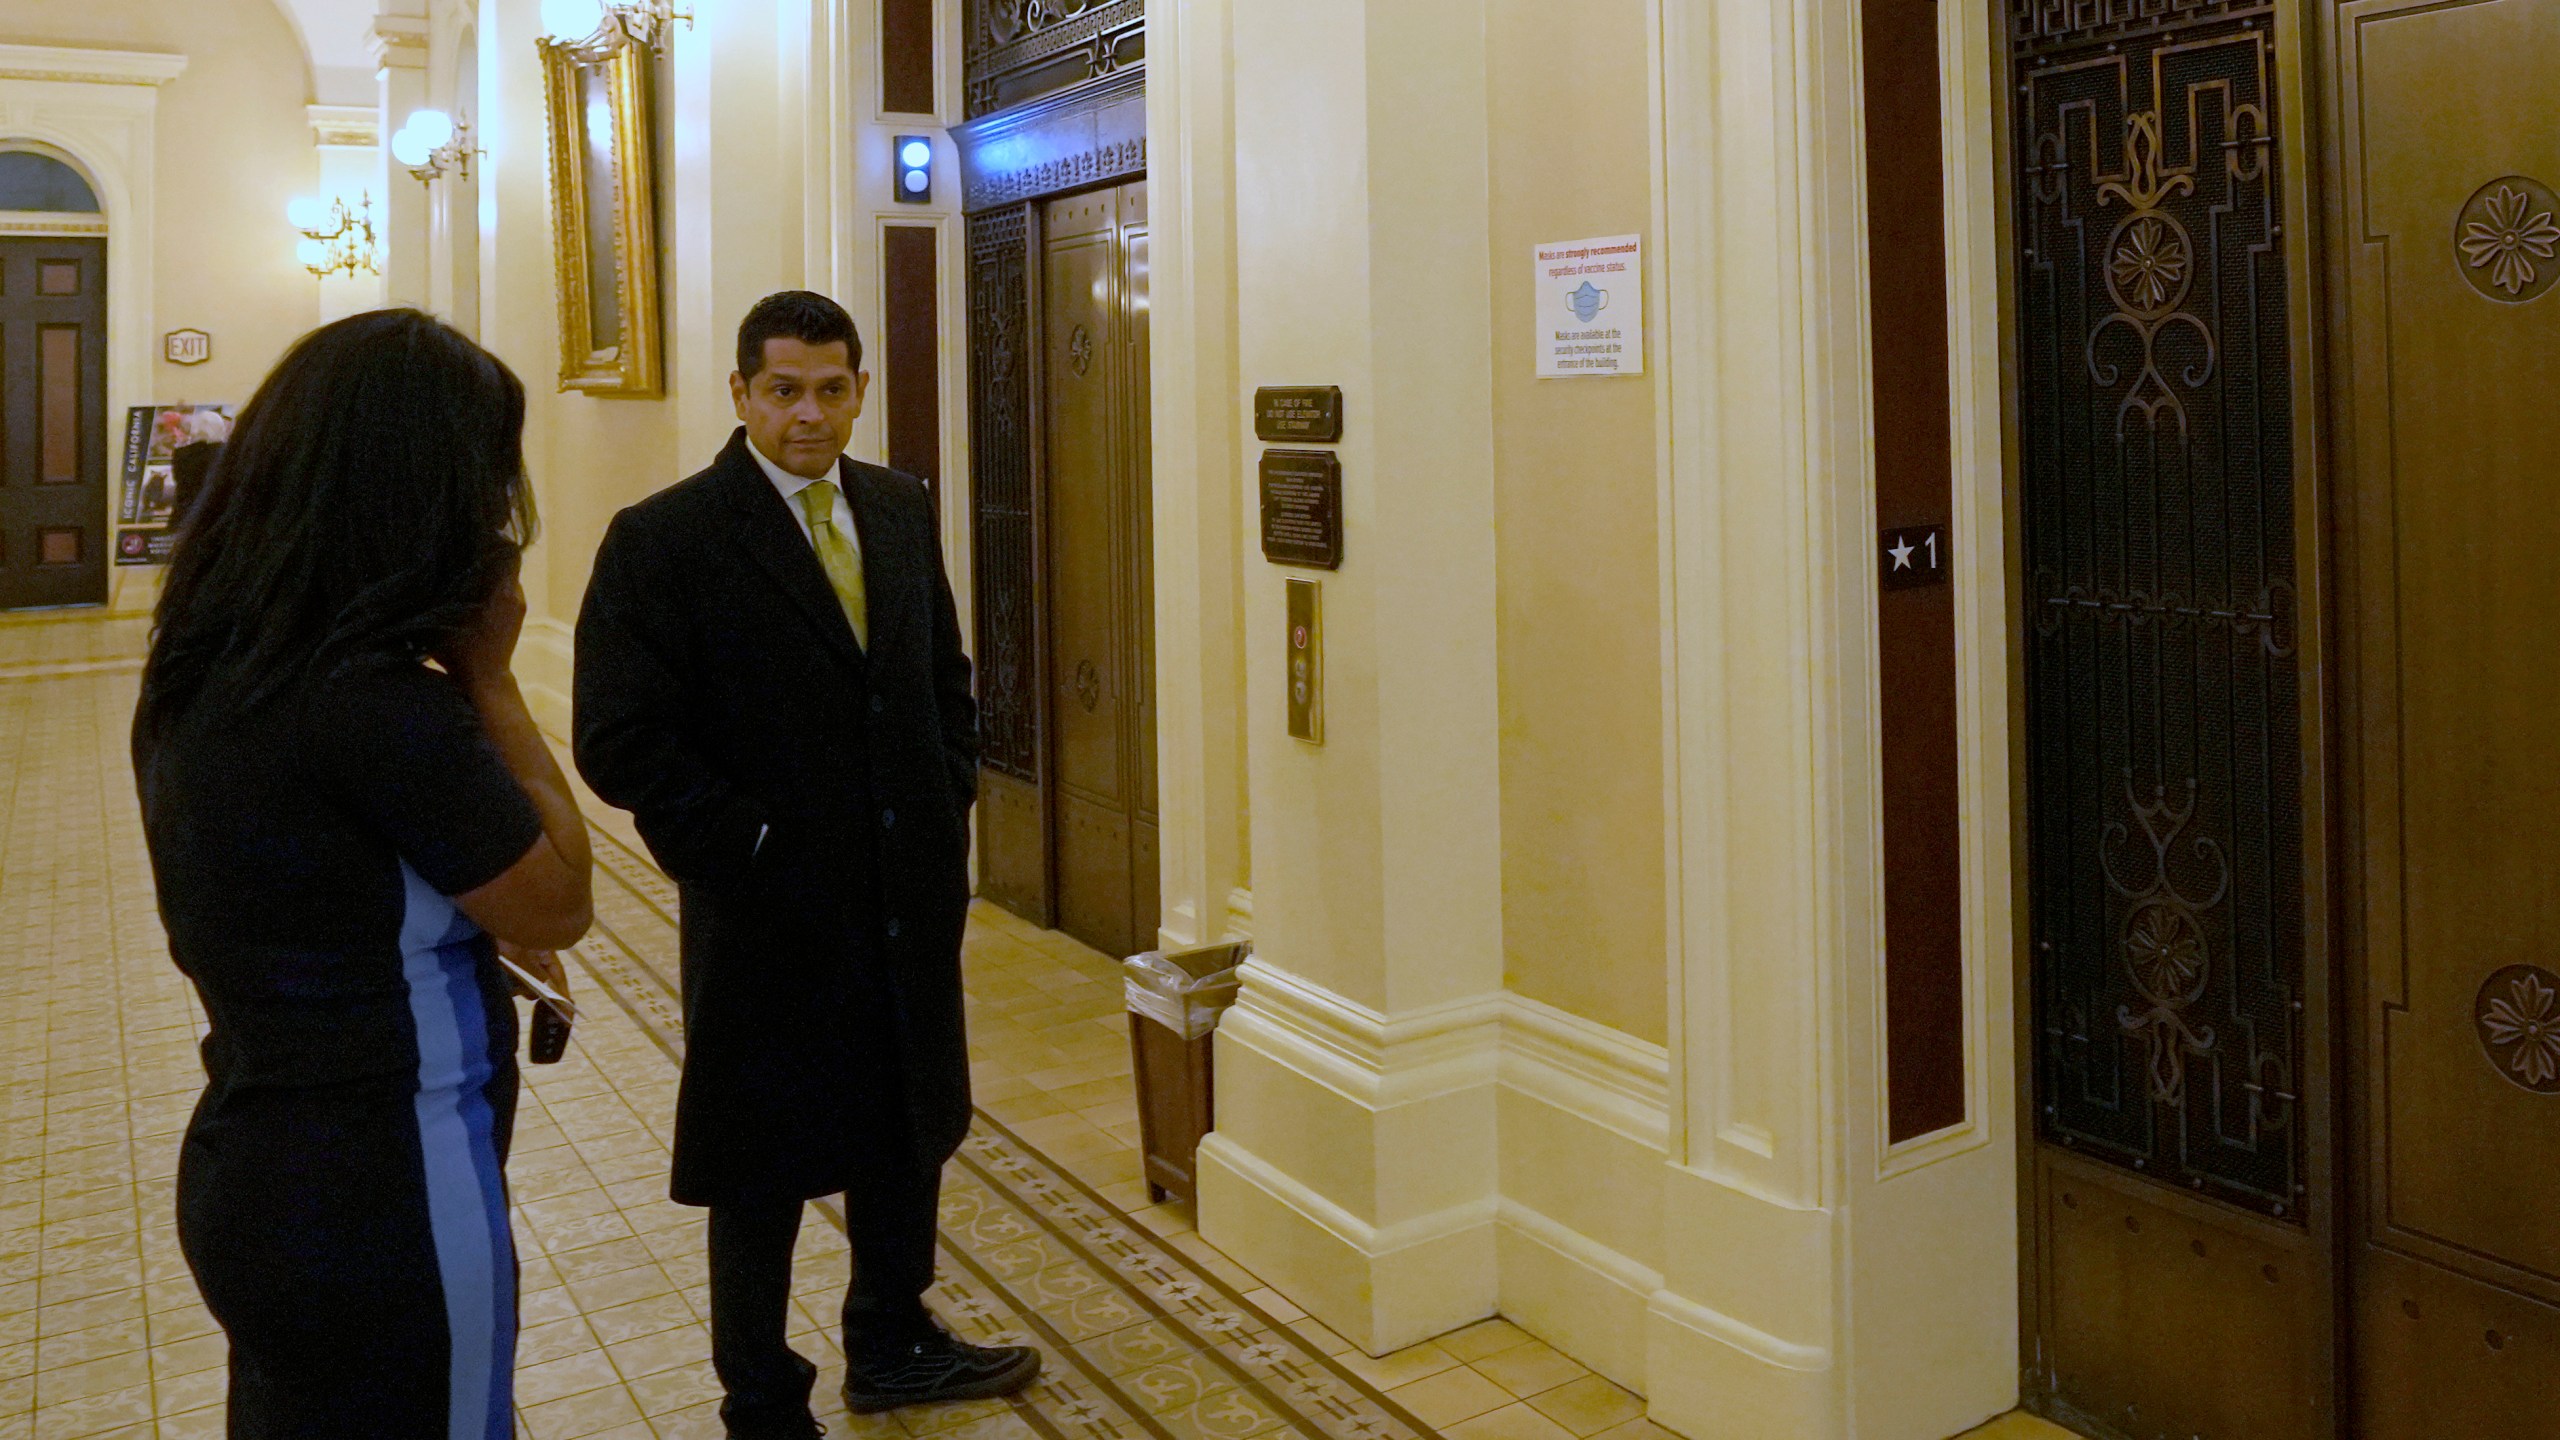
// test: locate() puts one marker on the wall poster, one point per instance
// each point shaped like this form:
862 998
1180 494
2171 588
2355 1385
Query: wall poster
147 506
1590 306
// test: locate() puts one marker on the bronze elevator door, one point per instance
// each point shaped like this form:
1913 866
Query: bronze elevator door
53 422
2446 338
1100 592
2179 1281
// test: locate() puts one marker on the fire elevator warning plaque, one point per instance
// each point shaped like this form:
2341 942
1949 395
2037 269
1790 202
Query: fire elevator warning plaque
1590 307
1302 508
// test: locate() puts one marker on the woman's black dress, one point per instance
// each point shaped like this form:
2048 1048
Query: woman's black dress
341 1197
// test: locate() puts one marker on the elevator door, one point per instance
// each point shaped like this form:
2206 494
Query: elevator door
1100 588
2181 1283
2447 339
53 422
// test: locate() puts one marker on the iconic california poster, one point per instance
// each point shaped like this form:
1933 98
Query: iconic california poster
146 516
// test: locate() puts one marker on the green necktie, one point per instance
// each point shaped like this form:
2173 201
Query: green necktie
843 561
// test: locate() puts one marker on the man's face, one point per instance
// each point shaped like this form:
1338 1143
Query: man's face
800 408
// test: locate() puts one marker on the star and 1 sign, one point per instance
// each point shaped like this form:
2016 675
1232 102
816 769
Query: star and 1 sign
1914 555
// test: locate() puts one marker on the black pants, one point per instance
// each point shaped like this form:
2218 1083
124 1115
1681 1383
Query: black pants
890 1219
352 1242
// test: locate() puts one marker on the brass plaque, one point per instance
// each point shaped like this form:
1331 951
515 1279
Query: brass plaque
1302 508
1298 412
1306 661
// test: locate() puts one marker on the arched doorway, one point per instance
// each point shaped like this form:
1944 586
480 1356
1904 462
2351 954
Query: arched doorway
54 530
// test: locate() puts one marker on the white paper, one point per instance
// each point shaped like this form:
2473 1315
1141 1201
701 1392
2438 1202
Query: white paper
1590 307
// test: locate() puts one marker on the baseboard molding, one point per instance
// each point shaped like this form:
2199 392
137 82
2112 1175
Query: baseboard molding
1737 1335
1370 1242
1394 1282
1714 1377
1588 1070
1594 1073
1382 1287
1575 1293
1624 1271
1368 1058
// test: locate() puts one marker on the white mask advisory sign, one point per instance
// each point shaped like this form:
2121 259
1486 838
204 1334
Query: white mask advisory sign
1591 307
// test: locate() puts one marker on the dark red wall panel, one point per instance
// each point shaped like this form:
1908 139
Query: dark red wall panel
906 56
911 351
1907 259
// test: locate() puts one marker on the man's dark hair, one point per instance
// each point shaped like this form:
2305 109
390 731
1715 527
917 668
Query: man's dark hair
372 497
802 315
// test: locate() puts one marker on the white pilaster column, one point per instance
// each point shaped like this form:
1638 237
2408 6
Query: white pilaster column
1818 1281
401 208
1354 1162
734 212
1199 470
453 202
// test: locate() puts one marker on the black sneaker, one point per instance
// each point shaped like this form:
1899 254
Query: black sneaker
790 1427
935 1367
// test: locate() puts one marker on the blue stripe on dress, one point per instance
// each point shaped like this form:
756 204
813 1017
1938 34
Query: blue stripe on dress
466 1194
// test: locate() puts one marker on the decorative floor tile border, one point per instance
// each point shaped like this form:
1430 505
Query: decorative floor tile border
1142 1342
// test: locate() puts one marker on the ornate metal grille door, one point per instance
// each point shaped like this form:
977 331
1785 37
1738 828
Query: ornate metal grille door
1013 809
2164 703
2165 714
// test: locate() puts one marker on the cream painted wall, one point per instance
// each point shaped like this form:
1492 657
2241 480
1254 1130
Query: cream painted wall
731 187
1577 535
234 146
589 457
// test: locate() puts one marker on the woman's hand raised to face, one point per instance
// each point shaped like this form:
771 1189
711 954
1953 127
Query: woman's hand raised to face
542 902
485 650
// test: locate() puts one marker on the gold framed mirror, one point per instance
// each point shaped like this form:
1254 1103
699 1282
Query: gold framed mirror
604 217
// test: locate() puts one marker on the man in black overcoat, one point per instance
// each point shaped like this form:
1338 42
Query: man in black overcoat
770 678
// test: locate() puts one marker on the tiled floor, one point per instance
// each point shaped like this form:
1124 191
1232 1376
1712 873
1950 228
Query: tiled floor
1151 1333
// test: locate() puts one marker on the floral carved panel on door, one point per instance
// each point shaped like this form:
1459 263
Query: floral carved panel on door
2518 1013
2506 239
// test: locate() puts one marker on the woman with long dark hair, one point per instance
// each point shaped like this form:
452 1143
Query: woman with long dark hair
346 802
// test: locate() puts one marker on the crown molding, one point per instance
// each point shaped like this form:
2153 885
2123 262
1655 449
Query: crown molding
399 42
350 126
65 64
50 222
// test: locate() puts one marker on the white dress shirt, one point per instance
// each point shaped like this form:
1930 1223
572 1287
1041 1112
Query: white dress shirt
790 486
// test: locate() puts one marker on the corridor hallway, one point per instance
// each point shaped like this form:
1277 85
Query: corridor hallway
1150 1334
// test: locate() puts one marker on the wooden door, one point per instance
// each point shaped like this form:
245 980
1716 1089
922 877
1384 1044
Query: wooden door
2446 339
2180 1280
1099 594
53 422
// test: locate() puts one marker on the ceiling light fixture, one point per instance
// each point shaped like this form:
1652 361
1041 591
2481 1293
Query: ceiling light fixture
335 240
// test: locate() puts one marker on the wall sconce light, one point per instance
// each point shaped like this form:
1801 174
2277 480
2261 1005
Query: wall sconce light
915 169
335 240
434 144
599 27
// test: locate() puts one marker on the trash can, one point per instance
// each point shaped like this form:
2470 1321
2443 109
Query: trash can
1175 999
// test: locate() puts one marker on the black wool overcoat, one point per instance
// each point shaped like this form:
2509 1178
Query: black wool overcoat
721 697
